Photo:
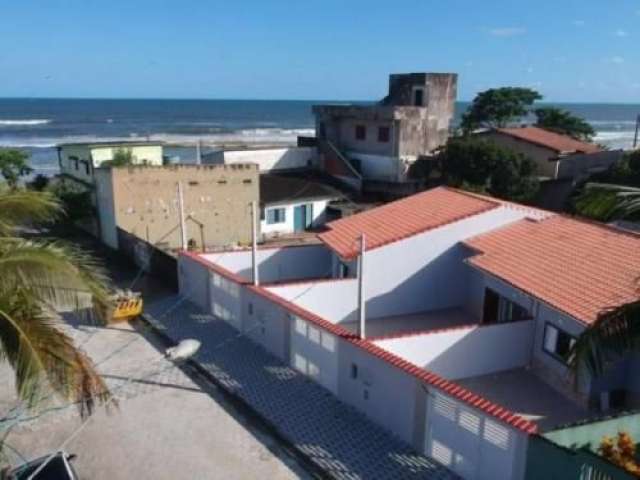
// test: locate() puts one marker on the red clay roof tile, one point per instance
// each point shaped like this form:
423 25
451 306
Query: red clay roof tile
551 140
402 219
579 267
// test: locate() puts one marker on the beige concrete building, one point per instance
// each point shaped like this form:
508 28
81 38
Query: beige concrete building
79 160
143 201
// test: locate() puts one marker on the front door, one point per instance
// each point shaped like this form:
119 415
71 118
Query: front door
302 217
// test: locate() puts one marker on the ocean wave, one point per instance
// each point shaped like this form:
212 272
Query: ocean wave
27 122
252 136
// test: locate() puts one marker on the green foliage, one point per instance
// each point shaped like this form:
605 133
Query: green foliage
604 202
39 183
76 202
564 122
13 165
121 158
40 278
485 167
497 107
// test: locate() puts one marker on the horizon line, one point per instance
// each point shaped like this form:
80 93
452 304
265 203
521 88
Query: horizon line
287 100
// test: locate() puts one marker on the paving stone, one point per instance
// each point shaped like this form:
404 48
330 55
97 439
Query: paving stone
341 440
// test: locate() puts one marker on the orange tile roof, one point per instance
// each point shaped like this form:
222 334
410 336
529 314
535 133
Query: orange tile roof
551 140
581 268
403 218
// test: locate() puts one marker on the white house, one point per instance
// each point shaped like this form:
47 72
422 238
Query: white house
471 306
79 160
293 203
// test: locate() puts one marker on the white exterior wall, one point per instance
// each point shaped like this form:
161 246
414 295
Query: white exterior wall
335 301
426 271
142 154
467 352
314 353
106 208
277 264
318 219
225 299
378 166
266 323
473 444
193 281
273 159
68 166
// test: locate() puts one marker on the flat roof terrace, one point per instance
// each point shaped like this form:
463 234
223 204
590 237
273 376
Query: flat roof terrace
397 325
521 391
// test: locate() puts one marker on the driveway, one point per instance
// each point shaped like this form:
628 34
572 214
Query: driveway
169 425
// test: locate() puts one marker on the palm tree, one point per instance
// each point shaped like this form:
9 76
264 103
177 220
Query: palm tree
616 331
605 201
39 279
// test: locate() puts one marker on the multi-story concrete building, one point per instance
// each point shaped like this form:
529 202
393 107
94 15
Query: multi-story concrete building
78 161
379 142
470 308
143 201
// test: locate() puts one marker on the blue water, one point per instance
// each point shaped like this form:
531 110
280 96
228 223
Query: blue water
39 124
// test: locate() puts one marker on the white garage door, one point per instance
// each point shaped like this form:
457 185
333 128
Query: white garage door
224 295
313 352
472 445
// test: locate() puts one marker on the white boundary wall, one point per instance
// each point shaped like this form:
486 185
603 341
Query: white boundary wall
467 352
273 158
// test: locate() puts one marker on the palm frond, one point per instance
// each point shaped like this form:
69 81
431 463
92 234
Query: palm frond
62 275
21 207
615 333
604 201
42 355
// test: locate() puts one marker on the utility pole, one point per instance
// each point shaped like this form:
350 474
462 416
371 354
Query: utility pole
183 225
254 243
635 138
361 293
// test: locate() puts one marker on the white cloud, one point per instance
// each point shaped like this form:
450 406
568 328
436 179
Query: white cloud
616 59
579 23
620 33
507 31
529 69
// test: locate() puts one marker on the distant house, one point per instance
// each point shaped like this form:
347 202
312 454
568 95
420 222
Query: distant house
267 159
556 156
292 203
360 142
78 161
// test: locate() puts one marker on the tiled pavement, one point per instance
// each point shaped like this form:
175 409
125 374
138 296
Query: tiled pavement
342 441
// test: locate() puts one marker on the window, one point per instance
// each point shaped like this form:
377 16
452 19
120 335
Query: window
275 215
301 327
86 166
498 309
328 342
361 132
75 162
557 343
418 97
354 370
314 334
383 134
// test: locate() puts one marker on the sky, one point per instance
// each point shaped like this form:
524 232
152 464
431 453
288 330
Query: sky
568 50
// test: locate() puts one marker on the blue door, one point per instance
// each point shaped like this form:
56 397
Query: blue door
302 217
299 215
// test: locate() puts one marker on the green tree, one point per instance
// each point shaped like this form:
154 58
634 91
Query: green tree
39 279
121 158
498 107
13 165
483 166
564 122
616 331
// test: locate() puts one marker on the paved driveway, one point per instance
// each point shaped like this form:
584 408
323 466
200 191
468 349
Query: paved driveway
337 437
169 425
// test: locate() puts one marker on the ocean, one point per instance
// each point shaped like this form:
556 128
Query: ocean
37 125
